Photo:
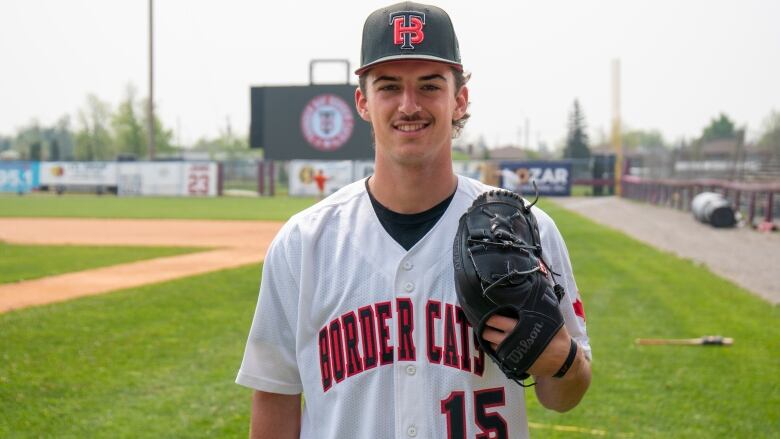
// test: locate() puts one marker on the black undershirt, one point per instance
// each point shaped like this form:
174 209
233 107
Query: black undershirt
407 229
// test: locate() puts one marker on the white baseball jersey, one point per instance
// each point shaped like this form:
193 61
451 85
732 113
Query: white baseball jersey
373 335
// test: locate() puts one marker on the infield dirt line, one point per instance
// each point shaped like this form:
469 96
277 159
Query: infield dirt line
237 243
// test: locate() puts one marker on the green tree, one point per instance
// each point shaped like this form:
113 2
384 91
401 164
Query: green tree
36 142
26 140
770 138
129 131
652 140
93 139
131 128
5 143
226 145
719 128
163 137
36 151
59 141
577 138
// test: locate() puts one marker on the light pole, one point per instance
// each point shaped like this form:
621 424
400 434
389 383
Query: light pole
150 121
617 141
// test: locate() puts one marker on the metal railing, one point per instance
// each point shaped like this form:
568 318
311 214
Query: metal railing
757 202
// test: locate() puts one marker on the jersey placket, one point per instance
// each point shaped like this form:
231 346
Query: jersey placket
410 407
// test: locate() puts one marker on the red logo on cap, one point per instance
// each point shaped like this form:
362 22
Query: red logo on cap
407 28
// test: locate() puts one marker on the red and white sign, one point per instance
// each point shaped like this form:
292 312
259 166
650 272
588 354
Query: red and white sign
327 122
201 179
167 179
78 173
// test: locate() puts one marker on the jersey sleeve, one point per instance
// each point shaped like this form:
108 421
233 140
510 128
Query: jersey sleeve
556 254
270 361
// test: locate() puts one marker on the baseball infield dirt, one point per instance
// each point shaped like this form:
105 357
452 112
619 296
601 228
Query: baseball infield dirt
231 243
744 256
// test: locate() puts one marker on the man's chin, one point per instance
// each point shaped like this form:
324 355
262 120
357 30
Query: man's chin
413 162
414 157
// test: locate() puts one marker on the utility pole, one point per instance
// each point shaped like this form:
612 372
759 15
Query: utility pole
527 133
150 111
617 142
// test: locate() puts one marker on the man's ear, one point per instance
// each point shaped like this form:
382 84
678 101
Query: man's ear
361 105
461 103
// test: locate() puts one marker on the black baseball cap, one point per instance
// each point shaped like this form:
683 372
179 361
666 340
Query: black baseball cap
408 30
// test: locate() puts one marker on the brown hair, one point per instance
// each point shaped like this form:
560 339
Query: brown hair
461 79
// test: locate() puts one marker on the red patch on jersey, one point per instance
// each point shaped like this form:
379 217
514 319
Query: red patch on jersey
579 309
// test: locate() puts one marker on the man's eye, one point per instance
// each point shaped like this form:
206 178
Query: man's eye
390 87
430 87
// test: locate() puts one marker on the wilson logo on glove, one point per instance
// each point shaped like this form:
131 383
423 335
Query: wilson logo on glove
523 346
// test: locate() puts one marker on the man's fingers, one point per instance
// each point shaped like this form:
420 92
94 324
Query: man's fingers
496 329
493 337
501 323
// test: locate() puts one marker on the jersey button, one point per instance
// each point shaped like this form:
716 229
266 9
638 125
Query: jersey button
408 265
411 370
409 287
411 431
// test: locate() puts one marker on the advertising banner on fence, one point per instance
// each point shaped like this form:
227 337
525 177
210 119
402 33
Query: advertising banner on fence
362 169
149 179
19 177
318 178
552 178
167 179
78 174
200 179
471 169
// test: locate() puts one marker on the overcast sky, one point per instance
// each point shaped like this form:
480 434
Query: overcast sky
683 61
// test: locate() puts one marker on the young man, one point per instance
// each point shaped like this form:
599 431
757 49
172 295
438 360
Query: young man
358 309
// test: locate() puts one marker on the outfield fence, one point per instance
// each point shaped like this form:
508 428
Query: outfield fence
756 195
756 202
296 177
130 178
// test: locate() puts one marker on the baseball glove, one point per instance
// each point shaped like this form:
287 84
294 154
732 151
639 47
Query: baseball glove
499 270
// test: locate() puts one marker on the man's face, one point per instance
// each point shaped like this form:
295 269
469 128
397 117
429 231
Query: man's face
411 106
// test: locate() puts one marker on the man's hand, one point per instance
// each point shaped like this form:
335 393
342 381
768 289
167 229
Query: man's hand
553 356
560 394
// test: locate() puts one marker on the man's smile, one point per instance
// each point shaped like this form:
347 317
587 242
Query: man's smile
410 127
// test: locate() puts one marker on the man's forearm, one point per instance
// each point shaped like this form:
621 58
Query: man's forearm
563 394
275 416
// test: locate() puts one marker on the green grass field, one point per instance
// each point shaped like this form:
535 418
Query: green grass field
92 206
151 362
25 262
159 361
631 290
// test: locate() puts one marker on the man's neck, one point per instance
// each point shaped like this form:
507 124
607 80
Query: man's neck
406 189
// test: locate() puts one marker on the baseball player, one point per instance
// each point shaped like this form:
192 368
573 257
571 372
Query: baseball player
358 309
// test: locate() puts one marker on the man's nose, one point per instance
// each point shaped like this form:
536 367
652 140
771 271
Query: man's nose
409 103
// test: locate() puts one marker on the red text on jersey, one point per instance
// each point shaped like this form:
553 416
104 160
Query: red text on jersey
360 340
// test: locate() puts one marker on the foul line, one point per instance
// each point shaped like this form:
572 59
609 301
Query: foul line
575 429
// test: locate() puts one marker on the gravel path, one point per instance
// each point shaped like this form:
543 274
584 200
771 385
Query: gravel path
746 257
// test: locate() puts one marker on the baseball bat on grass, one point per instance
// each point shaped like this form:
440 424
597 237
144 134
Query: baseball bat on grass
710 340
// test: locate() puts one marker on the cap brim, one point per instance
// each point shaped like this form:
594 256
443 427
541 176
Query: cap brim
387 59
